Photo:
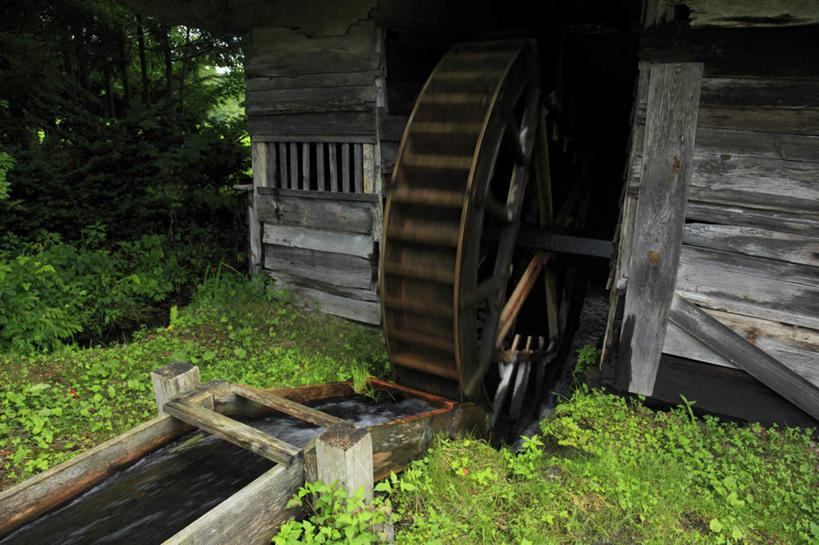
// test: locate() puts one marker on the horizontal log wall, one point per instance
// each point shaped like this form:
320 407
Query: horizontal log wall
750 254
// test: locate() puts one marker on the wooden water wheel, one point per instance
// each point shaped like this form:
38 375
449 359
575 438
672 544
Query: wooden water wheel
451 285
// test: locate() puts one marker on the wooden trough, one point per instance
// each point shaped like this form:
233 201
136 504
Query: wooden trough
253 514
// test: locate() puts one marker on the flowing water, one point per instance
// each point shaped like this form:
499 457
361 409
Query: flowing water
151 500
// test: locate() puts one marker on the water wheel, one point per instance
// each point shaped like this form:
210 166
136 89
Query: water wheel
451 285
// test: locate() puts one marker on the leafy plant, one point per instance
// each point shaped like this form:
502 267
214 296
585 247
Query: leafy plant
335 517
587 356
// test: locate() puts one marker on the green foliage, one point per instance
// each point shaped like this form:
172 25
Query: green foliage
606 471
53 292
587 357
58 404
6 162
335 518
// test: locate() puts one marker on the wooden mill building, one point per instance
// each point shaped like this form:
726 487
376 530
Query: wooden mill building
710 187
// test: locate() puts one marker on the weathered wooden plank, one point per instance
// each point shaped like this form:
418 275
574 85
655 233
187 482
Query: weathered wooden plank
311 81
282 50
332 164
750 286
332 300
314 100
258 160
634 165
314 126
345 167
673 98
338 269
750 13
745 355
272 166
358 168
254 228
735 263
389 151
250 516
315 239
758 182
305 165
232 431
344 455
790 147
37 495
368 171
321 180
794 347
172 381
284 180
761 52
791 93
286 406
332 212
800 224
294 166
781 120
788 247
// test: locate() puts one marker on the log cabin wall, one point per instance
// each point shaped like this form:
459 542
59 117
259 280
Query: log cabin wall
312 96
327 100
748 231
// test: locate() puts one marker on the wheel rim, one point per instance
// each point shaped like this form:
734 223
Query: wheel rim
462 165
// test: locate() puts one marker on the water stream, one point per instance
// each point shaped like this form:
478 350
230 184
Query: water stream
151 500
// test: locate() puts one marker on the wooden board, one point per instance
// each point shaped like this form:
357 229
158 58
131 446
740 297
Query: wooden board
782 120
673 99
771 183
349 213
314 126
252 515
339 269
790 147
745 355
33 497
730 13
793 93
793 346
316 99
294 236
311 81
354 304
281 50
800 224
233 431
725 391
752 286
793 248
286 406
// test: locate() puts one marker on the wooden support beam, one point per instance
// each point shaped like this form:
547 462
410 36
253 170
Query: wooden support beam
286 406
294 165
232 431
671 120
344 455
345 167
172 381
757 363
543 174
515 302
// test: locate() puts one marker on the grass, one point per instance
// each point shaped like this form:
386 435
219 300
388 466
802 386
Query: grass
57 405
606 471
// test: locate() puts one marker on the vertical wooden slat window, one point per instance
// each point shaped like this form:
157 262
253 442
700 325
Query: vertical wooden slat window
320 166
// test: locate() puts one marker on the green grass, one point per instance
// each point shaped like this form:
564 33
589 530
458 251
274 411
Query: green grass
606 471
54 406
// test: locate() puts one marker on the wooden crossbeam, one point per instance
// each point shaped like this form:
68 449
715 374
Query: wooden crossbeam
232 431
286 406
751 359
521 292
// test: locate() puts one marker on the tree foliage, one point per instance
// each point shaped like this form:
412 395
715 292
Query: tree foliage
114 117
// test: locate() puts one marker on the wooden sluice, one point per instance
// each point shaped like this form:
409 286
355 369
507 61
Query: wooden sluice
252 514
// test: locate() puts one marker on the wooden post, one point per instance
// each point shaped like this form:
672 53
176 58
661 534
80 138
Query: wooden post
172 381
668 149
344 454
